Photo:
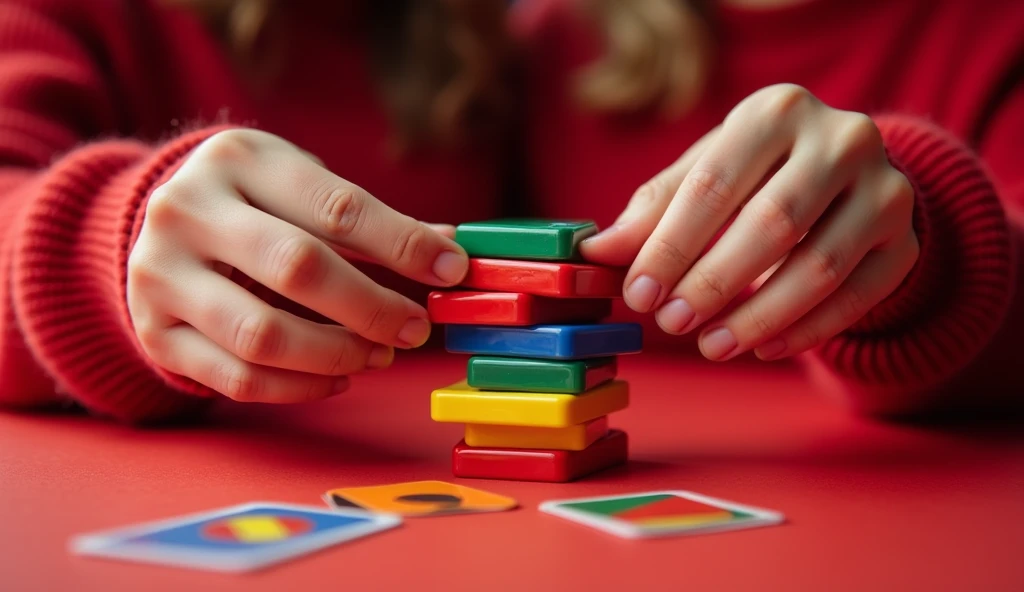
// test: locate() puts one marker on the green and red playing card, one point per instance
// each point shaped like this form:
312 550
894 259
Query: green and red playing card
660 513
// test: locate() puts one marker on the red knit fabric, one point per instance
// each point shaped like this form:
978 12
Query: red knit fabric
904 354
70 264
93 104
943 83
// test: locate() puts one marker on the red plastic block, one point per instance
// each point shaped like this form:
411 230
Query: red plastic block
552 466
504 308
561 280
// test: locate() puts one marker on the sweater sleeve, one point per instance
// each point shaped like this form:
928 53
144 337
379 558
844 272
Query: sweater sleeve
69 208
948 337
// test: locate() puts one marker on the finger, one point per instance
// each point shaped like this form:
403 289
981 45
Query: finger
445 230
767 228
878 275
300 267
287 185
256 332
316 159
813 271
190 353
730 168
619 244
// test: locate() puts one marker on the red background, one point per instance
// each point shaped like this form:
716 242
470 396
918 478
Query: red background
869 505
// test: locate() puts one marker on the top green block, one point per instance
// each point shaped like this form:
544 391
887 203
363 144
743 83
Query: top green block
524 238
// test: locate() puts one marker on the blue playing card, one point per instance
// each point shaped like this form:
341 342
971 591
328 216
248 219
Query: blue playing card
239 538
560 342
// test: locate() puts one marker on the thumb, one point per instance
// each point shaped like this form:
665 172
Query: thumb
445 230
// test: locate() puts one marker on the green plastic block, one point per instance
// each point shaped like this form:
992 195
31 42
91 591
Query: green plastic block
512 238
539 376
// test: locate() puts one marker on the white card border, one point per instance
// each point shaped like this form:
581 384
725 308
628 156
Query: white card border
761 516
111 544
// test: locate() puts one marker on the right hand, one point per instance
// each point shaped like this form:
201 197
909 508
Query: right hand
251 201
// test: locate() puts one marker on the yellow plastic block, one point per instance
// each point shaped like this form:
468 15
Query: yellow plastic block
460 403
575 437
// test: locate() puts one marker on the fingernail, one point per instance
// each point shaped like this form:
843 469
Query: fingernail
675 316
642 293
414 333
691 325
450 267
771 350
340 385
381 356
718 343
611 229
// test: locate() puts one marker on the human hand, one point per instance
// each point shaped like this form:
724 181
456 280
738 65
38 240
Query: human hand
796 185
250 201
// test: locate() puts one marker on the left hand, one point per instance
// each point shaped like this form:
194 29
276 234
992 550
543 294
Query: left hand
806 197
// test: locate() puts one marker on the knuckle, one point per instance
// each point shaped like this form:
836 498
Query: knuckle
167 205
339 211
238 382
897 195
858 137
807 336
709 190
314 391
851 306
298 263
142 282
256 337
647 194
665 254
150 336
345 360
778 221
763 328
381 318
230 146
861 131
711 286
826 266
411 246
783 100
141 270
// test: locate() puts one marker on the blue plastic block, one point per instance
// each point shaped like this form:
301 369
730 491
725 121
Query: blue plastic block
557 342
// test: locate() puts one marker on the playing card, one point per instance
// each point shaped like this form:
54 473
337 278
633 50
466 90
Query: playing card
234 539
419 498
660 513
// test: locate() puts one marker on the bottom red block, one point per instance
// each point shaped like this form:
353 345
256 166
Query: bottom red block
555 466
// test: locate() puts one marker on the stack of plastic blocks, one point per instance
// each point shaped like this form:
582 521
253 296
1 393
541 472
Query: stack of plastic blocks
541 381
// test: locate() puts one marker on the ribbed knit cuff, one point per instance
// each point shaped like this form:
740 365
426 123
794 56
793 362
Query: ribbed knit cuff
897 358
69 279
24 382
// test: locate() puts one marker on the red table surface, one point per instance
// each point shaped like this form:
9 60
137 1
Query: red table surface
870 506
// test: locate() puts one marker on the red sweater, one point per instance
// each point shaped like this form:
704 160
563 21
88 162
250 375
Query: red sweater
98 106
942 79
